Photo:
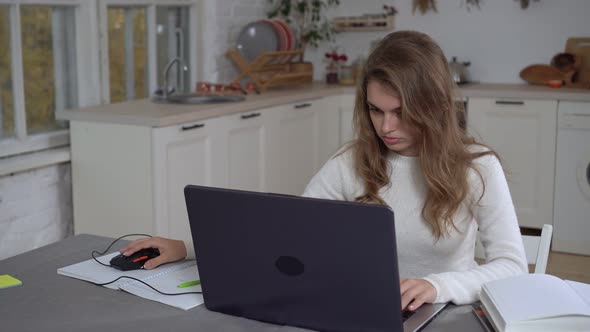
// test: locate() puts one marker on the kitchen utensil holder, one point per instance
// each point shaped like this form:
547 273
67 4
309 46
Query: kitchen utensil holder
270 69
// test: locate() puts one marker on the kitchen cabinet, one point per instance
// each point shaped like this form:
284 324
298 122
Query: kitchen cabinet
523 132
246 150
130 179
190 153
329 128
112 183
294 152
346 116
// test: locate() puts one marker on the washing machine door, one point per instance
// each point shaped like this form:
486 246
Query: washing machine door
571 218
584 179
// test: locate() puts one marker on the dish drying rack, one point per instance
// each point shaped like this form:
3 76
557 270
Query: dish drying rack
271 68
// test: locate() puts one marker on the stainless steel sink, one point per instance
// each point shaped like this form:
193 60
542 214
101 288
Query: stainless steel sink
197 99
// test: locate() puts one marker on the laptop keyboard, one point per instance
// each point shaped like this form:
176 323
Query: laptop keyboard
407 314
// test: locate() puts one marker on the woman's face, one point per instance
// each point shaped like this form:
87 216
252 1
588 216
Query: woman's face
385 111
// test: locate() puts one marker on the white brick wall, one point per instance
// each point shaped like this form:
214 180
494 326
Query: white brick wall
35 209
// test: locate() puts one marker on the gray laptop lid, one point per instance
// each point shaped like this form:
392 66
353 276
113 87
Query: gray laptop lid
313 263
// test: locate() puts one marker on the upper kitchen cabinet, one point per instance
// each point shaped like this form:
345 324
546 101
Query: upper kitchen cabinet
523 132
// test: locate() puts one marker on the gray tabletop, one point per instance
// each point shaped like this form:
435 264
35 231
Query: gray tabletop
47 301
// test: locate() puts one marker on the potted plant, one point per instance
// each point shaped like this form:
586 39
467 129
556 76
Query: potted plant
307 17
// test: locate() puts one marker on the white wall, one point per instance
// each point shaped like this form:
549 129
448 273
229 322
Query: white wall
35 208
499 40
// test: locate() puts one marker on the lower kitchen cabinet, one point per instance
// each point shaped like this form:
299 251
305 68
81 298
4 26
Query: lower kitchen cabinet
130 179
523 132
184 154
293 154
112 178
346 111
246 149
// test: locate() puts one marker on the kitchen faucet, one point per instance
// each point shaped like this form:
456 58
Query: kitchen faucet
181 63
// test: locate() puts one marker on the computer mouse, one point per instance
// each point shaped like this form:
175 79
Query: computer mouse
134 261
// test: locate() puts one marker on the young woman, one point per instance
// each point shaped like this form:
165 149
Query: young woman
409 153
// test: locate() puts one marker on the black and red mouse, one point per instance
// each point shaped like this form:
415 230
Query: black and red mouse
134 261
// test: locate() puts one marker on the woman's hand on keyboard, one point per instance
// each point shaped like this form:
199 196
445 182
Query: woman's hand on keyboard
416 292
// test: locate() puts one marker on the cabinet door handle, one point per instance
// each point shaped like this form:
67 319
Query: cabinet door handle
304 105
509 102
195 126
250 116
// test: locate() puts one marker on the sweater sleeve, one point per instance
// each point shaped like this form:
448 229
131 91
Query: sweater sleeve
190 250
499 233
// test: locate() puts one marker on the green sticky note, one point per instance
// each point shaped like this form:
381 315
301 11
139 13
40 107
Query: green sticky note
8 281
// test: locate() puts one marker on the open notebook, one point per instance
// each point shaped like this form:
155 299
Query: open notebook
536 302
164 278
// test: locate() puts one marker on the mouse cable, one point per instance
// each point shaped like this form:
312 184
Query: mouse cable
109 247
143 282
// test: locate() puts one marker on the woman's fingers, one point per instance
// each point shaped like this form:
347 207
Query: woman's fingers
409 295
417 303
155 262
416 292
140 244
131 245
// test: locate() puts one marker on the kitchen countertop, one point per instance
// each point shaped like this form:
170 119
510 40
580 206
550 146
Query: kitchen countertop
144 112
523 91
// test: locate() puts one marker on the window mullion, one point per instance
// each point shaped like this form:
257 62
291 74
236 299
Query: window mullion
152 60
18 86
88 54
59 47
104 52
129 54
172 49
195 34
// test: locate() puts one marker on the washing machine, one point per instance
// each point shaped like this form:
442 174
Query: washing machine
571 212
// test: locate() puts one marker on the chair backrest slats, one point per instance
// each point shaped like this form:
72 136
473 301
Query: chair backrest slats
536 248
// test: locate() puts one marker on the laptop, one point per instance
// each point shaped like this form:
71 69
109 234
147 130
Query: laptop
312 263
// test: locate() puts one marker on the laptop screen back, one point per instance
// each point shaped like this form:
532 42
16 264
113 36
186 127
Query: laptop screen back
313 263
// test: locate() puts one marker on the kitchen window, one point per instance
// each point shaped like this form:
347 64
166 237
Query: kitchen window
63 54
39 72
142 37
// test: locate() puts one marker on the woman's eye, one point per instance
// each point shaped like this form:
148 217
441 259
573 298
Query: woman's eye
373 109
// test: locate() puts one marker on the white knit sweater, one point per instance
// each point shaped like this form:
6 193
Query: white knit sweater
448 263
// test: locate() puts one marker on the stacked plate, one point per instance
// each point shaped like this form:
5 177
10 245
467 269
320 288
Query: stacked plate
265 36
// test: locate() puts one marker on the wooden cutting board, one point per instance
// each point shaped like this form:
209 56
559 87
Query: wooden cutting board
581 47
540 74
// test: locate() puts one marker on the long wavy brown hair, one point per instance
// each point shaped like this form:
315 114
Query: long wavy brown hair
414 67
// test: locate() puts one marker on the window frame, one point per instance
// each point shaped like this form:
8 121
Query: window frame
91 49
194 7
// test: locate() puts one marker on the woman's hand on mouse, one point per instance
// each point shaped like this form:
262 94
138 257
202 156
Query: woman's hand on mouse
170 250
416 292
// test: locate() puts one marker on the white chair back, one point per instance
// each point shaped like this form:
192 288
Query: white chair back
536 248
